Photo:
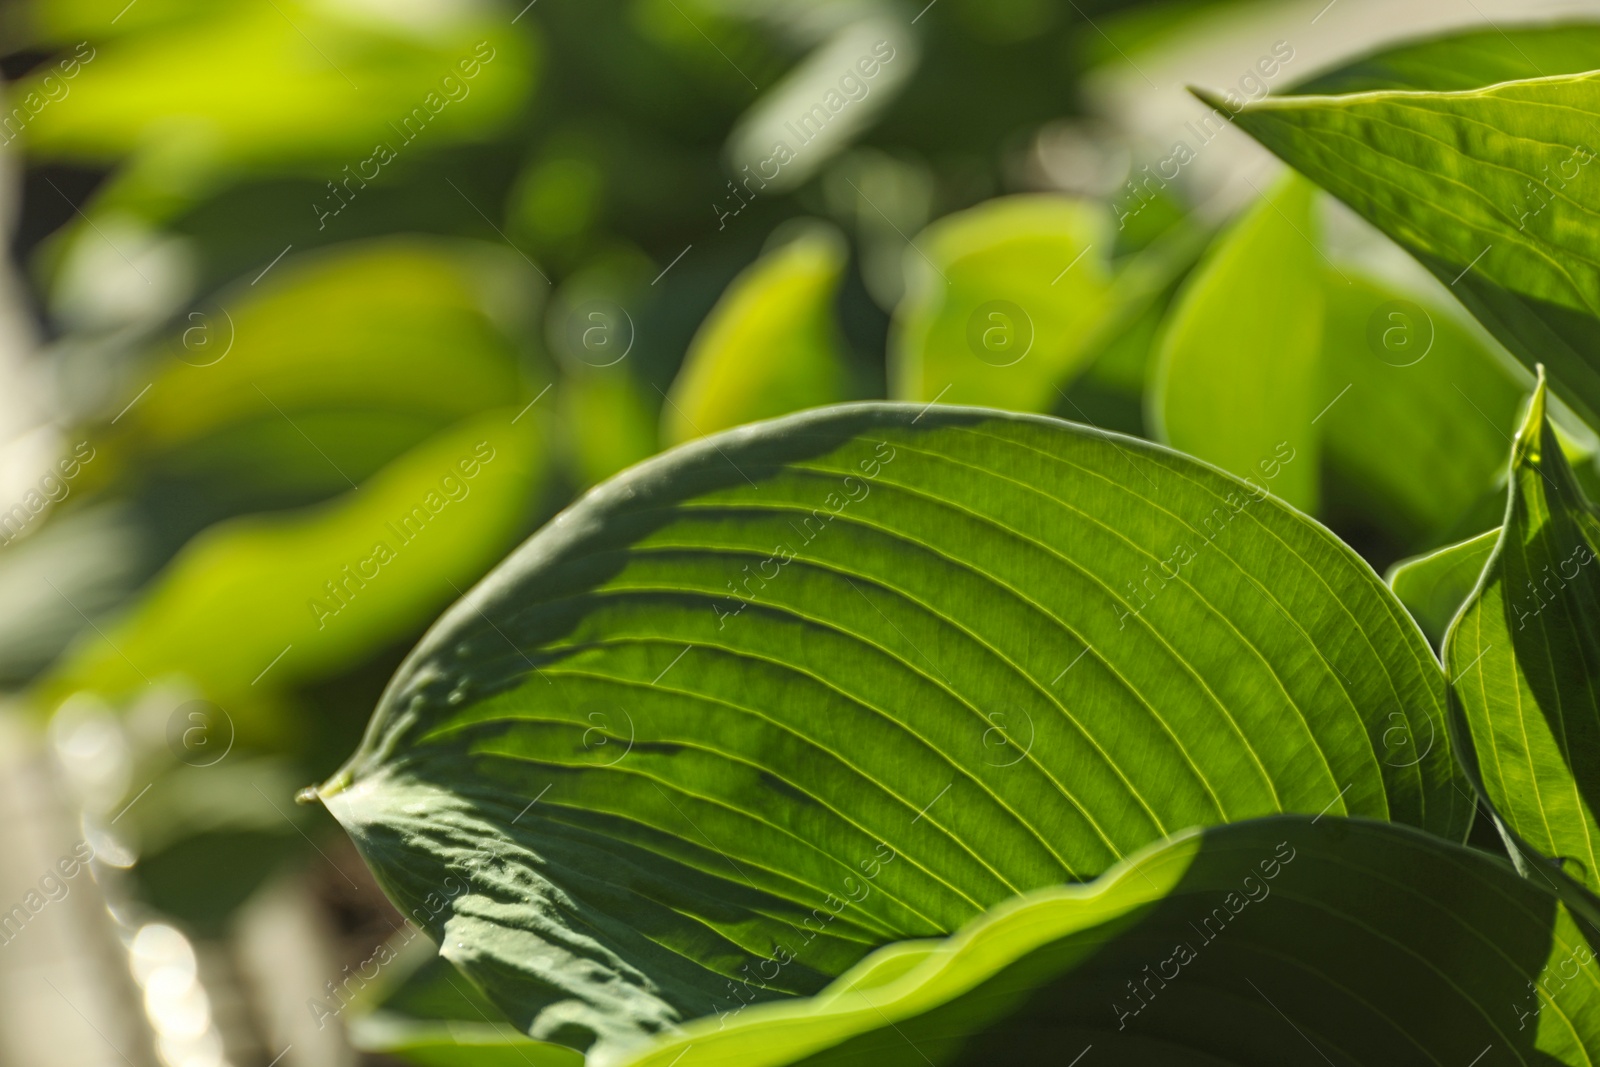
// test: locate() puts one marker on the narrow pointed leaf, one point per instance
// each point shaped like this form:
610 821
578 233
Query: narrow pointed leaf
1283 940
855 676
1525 657
1493 190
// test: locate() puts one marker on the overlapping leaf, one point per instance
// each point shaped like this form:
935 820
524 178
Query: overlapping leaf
855 676
1284 940
1525 657
1466 60
1433 586
1492 189
1237 379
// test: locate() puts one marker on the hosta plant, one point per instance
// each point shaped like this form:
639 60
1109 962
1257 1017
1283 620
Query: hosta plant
899 733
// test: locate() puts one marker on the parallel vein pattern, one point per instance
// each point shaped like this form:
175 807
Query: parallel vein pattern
799 690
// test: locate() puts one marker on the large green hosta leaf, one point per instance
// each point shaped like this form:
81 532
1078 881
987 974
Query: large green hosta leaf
1492 189
1283 940
854 676
1525 657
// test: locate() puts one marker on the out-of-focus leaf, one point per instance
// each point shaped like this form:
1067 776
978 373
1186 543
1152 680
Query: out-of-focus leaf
456 1043
278 85
1418 409
294 387
1238 378
1243 944
1491 189
1461 61
429 1014
263 603
1524 655
82 564
1435 585
821 105
769 347
746 674
607 423
1002 302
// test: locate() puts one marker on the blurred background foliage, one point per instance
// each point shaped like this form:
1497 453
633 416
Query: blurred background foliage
282 271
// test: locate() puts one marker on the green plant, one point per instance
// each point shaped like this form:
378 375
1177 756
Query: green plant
906 733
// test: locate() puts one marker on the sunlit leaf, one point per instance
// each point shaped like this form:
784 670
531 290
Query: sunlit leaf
1435 585
1524 655
261 603
275 85
316 376
866 672
1416 410
1465 60
769 347
1237 379
1001 303
1491 189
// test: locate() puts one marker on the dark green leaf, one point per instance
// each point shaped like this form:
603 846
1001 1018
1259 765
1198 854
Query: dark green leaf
1283 940
924 658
